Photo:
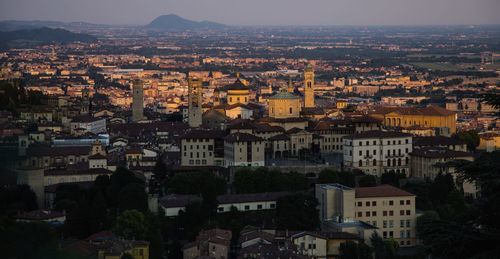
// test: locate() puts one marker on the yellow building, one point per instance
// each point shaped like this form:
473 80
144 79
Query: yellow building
238 93
489 142
284 105
407 117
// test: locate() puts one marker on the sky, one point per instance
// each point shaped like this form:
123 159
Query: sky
260 12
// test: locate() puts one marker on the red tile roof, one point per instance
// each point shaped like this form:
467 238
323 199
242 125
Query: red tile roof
380 191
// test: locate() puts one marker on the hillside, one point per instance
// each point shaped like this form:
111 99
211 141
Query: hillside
42 36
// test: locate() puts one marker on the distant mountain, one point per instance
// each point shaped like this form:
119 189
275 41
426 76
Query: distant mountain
174 22
37 36
25 25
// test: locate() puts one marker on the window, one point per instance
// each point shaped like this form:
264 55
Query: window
273 205
220 209
401 213
391 203
391 223
360 214
384 213
402 223
374 213
401 202
374 203
374 142
259 207
408 233
391 213
360 163
374 223
407 202
384 224
384 235
360 143
367 204
408 223
360 153
391 234
408 212
247 207
290 110
367 214
360 204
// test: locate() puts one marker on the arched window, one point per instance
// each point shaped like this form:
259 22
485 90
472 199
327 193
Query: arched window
290 110
399 161
374 162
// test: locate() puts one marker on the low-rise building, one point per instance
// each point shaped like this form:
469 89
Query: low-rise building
376 152
249 202
202 148
243 149
388 208
213 243
424 160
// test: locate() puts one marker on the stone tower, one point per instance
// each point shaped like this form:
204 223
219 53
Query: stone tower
137 101
194 101
308 87
85 104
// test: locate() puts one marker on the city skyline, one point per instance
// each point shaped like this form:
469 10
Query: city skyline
260 12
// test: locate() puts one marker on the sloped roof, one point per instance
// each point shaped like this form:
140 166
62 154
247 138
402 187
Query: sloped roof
380 191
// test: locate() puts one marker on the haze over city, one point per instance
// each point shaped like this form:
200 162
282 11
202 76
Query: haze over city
260 12
256 129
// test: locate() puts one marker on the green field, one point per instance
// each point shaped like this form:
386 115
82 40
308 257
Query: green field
438 66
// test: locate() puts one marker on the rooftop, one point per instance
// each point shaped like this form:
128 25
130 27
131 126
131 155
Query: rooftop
378 134
384 190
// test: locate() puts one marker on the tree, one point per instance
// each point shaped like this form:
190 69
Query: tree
392 178
352 250
154 237
127 256
28 240
383 249
17 198
131 225
297 212
474 233
205 184
118 180
328 176
367 181
133 196
347 178
470 137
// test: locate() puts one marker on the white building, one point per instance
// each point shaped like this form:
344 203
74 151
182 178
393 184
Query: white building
376 152
87 124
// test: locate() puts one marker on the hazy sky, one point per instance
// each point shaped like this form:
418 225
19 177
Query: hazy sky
260 12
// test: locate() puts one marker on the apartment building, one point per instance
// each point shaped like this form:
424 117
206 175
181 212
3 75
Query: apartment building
202 148
243 149
426 162
376 152
388 208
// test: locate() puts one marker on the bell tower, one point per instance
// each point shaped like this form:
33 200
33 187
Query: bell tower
194 101
137 101
308 86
